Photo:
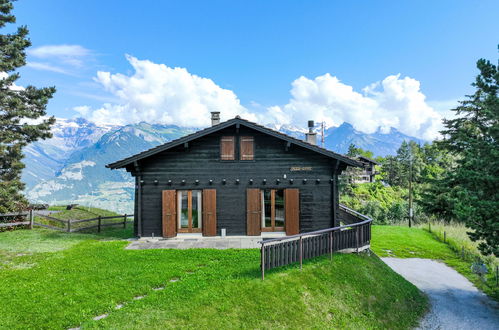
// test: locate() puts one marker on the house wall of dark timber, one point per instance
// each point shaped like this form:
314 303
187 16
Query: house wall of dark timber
200 160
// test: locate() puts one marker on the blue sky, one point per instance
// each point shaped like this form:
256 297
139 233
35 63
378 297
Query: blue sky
256 52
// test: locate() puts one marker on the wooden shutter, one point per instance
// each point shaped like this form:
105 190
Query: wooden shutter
292 211
169 213
227 148
253 212
209 212
247 148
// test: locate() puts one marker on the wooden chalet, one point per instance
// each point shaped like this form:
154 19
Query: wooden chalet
236 178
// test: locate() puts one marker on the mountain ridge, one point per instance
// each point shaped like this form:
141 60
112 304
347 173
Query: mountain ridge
70 167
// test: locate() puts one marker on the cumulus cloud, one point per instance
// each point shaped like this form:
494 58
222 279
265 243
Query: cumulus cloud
157 93
393 102
160 94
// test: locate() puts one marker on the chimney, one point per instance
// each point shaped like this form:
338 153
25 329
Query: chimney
215 118
311 136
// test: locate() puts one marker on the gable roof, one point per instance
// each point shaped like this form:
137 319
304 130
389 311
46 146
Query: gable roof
368 160
238 120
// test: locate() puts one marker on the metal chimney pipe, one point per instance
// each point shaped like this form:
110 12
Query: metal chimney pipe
215 118
311 136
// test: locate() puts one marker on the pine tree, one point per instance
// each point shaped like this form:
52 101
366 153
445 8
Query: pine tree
22 112
473 137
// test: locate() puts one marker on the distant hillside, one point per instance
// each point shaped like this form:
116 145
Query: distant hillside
70 167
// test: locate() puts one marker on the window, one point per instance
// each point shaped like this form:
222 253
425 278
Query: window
227 148
189 211
273 210
246 148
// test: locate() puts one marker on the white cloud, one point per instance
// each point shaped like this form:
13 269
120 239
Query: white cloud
393 102
46 67
160 94
58 58
157 93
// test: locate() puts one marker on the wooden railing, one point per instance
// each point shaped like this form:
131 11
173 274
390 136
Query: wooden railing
283 251
26 215
72 226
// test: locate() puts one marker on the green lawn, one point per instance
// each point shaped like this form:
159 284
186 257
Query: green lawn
79 213
404 242
58 280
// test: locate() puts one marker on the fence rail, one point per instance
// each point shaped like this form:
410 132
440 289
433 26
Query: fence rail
69 224
283 251
27 215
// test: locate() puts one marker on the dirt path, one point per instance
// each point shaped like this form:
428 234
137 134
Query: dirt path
455 302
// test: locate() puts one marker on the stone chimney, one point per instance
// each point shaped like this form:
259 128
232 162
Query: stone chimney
215 118
311 136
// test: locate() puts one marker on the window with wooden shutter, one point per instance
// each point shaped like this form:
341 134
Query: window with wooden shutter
253 212
247 148
227 148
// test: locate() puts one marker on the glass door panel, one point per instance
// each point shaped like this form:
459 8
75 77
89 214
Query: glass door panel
189 211
273 210
279 208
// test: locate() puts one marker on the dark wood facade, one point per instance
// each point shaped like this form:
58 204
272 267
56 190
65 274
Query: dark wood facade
231 185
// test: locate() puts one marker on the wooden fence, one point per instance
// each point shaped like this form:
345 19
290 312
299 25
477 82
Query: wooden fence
290 249
72 226
26 215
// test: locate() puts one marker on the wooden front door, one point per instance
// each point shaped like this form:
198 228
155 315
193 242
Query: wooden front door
189 211
169 217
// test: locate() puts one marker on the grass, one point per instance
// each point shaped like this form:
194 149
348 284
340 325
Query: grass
59 280
404 242
78 213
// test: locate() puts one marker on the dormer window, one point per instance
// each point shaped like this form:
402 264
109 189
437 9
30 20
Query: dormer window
247 148
227 148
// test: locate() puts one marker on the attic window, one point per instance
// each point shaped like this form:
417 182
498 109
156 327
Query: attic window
247 148
227 148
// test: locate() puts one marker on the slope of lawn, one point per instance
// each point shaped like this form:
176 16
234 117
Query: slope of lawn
88 275
78 213
404 242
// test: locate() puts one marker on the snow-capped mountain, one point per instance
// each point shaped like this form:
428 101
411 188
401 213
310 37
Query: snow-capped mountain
70 167
44 159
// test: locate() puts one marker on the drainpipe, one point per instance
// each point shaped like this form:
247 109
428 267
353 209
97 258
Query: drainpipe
139 206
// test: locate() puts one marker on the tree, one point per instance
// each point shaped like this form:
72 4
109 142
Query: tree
473 137
22 111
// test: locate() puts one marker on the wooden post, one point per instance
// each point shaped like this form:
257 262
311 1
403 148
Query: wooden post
445 236
263 261
429 227
301 253
124 221
497 275
99 224
357 238
331 244
69 225
31 219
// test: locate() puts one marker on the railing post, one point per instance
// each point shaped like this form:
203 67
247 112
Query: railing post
301 253
357 238
31 219
99 224
263 260
124 221
331 244
69 225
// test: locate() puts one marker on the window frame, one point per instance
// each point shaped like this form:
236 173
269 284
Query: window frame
273 227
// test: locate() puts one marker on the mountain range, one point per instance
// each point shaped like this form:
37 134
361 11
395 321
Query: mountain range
70 167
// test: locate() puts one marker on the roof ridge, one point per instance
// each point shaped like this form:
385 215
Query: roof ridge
227 123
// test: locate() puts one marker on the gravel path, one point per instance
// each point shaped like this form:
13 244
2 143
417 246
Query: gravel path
455 302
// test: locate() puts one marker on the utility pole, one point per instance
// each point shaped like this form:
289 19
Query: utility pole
410 189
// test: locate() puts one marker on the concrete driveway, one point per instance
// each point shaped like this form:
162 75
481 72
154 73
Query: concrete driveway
455 302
